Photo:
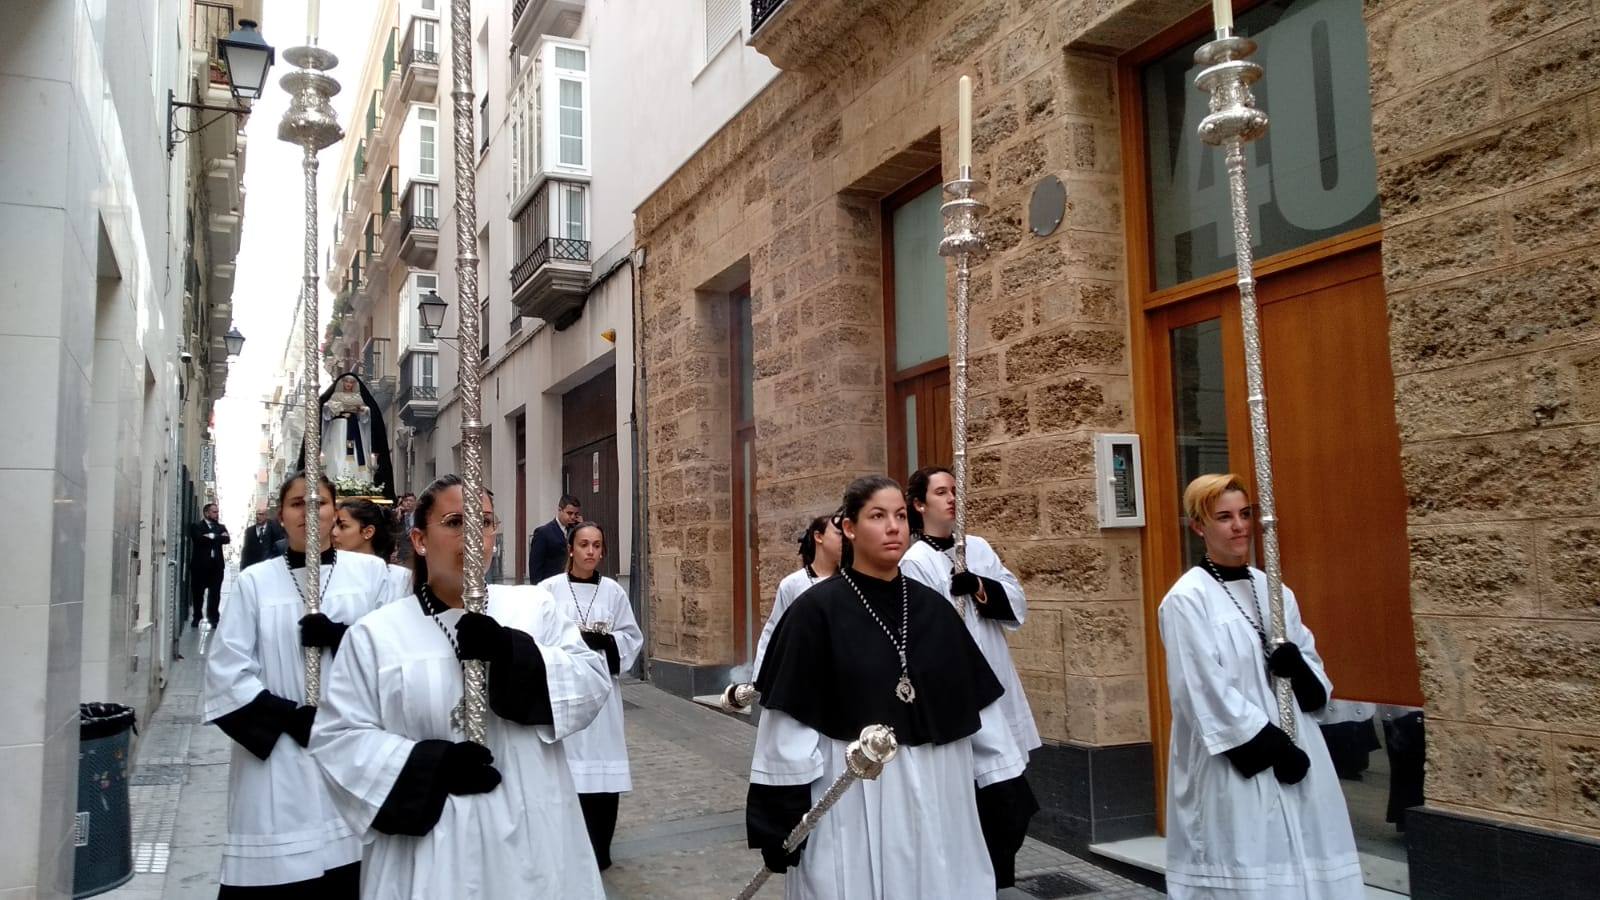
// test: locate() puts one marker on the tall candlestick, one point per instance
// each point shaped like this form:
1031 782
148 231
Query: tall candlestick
1222 14
964 122
313 8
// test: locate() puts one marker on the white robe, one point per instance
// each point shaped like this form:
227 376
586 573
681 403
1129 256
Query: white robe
933 568
282 825
791 587
912 832
394 684
399 581
598 755
1229 836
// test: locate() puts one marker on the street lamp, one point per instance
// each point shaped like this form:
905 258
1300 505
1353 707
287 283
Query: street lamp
247 58
234 340
431 310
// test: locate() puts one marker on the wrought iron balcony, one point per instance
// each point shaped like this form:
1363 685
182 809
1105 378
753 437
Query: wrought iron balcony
761 11
419 61
550 279
418 399
419 225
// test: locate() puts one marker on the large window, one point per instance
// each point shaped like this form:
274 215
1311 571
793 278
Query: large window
1312 176
918 336
570 65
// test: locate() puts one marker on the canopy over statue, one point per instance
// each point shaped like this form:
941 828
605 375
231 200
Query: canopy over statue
355 441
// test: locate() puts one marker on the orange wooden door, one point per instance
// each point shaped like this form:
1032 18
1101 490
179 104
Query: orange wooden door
920 429
1336 463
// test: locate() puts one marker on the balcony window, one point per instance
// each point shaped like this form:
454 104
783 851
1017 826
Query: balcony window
427 142
553 226
419 285
549 117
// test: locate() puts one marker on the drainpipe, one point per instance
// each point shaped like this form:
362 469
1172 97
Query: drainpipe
638 433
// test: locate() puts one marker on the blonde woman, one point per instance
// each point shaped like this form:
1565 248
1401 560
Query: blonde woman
1251 814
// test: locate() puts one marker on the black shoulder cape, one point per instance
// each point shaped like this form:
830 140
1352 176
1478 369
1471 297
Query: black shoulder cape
832 667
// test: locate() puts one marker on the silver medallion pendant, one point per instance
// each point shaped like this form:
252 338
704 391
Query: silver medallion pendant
600 628
904 691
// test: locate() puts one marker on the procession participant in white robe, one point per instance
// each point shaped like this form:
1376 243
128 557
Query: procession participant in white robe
820 547
598 755
1250 815
362 526
990 601
284 834
442 816
872 646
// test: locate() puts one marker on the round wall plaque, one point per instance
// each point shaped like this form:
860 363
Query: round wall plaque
1047 205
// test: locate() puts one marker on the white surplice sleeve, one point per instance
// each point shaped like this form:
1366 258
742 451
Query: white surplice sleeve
995 754
987 564
1198 683
625 629
576 677
359 759
233 663
780 604
1295 630
786 753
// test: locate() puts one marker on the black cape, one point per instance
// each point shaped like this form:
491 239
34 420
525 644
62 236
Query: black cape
833 669
382 469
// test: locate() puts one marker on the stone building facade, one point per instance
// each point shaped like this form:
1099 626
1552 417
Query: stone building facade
1484 127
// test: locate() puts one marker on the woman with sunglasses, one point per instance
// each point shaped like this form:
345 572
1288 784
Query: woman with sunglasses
285 834
443 816
598 755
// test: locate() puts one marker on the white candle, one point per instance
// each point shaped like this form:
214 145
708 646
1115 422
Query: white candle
1222 14
964 123
312 8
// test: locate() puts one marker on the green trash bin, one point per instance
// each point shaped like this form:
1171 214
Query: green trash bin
103 858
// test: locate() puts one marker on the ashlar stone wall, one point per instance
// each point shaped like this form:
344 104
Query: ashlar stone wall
1486 122
788 194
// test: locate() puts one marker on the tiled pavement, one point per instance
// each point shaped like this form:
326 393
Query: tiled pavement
680 833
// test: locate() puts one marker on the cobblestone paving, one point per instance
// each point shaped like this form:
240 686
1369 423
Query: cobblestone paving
680 833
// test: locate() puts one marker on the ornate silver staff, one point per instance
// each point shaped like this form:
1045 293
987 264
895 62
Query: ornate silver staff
311 123
738 697
864 759
1233 121
470 715
963 240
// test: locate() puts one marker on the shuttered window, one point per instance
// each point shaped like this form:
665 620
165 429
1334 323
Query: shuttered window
722 23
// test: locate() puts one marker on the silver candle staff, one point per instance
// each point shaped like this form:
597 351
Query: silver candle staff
863 759
310 122
1233 121
963 240
470 715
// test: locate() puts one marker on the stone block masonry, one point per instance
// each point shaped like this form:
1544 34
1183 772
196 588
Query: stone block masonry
1486 120
788 197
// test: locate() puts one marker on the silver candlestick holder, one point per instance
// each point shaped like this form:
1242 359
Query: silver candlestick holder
963 242
1233 121
311 123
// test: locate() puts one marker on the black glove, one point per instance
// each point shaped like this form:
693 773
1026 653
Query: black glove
469 768
1291 765
298 724
605 645
963 584
1287 661
317 630
779 861
479 636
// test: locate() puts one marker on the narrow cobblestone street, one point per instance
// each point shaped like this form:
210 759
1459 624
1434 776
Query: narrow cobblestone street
680 833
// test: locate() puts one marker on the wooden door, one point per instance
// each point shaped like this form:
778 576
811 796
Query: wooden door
520 534
920 430
741 408
590 474
1336 462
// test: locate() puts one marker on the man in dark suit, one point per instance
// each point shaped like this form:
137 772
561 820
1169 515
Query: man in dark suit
547 549
206 564
260 541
